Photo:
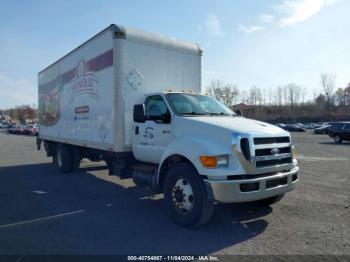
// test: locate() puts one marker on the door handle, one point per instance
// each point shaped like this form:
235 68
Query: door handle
136 130
166 131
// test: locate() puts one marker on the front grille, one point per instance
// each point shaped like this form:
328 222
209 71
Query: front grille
245 148
267 151
271 140
273 162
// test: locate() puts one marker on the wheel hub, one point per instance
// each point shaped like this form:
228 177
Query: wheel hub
182 195
179 196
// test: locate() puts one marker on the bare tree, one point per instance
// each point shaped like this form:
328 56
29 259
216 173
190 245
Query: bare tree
226 93
347 95
320 101
270 96
288 101
340 97
303 95
328 84
244 97
264 94
293 93
285 94
255 96
279 96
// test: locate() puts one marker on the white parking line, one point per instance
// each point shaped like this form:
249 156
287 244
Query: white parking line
40 219
39 192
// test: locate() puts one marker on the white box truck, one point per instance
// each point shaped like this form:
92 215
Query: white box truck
123 97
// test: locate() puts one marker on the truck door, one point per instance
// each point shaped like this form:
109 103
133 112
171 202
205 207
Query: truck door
151 138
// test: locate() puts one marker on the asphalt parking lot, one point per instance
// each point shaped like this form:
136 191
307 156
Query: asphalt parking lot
89 212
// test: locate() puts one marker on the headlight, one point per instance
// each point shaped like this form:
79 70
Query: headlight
214 161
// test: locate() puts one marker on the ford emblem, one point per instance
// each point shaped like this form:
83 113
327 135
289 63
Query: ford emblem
275 151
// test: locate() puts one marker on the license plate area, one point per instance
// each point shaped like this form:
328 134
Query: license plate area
271 183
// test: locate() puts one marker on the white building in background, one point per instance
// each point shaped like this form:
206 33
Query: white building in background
5 118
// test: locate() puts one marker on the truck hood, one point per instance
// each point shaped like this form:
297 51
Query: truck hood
239 125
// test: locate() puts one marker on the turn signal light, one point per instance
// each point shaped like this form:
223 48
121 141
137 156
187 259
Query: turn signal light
214 161
209 161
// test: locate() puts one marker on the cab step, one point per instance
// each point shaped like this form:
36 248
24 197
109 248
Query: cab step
145 176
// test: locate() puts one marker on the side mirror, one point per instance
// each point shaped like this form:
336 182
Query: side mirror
164 118
238 112
139 114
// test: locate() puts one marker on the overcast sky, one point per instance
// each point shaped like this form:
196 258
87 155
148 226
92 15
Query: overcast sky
266 43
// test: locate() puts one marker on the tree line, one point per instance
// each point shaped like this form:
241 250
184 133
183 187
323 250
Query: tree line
20 114
287 103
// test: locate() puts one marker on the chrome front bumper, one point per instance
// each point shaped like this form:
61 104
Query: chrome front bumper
230 191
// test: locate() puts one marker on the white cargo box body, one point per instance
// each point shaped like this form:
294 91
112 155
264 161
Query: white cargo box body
86 98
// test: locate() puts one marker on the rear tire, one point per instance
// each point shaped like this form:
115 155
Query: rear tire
76 158
337 139
185 196
271 200
64 158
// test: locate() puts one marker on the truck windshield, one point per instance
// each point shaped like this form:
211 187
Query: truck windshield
193 104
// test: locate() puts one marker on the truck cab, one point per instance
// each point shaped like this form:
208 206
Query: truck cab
204 152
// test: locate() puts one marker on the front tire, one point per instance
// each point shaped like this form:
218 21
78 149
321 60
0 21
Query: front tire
185 196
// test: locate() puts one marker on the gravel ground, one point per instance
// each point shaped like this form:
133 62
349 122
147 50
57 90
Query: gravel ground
89 212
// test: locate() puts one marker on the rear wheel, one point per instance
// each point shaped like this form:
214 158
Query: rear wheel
64 158
271 200
185 196
337 139
76 158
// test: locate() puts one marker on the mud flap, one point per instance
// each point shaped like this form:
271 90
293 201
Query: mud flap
38 143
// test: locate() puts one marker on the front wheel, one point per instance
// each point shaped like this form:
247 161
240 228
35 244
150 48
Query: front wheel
185 196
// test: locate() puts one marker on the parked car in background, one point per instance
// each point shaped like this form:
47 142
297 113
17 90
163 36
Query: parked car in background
321 130
19 130
4 125
31 130
11 128
309 125
299 124
27 130
281 125
294 128
340 131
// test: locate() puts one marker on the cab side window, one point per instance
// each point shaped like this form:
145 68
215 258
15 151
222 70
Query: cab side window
157 110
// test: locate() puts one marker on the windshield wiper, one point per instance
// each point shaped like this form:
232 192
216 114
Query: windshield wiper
194 113
217 114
